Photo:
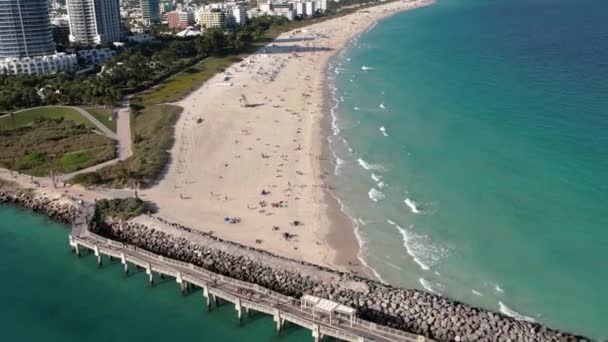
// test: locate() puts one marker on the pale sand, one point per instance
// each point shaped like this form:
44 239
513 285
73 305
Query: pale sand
220 166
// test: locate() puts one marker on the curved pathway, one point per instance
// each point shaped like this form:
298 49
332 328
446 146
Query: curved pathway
103 128
123 137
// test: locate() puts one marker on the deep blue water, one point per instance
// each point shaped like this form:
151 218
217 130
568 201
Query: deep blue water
495 119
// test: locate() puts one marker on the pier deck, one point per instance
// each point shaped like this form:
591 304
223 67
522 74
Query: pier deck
245 296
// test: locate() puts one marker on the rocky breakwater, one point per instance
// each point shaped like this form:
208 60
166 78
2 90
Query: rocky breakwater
57 210
415 311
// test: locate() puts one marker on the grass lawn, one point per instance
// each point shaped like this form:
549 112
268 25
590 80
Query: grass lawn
28 116
53 145
153 129
102 114
178 86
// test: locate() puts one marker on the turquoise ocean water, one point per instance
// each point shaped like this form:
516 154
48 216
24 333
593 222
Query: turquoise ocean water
494 132
49 294
471 140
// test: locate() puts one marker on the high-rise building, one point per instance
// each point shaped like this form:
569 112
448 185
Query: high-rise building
94 22
26 39
150 11
240 15
25 28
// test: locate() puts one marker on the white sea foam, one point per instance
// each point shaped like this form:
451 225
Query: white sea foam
498 289
424 252
360 241
375 194
412 205
368 166
383 130
381 185
376 178
510 312
477 293
339 162
410 245
364 68
356 108
427 285
382 105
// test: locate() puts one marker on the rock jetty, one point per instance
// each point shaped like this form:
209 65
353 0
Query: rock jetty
415 311
56 210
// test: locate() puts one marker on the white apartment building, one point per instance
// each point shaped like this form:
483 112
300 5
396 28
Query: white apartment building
212 18
96 56
311 8
39 65
240 15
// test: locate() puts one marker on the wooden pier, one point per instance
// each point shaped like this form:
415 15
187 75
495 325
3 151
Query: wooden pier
245 296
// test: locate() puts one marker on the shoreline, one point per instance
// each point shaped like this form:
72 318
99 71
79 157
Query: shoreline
436 317
341 221
250 157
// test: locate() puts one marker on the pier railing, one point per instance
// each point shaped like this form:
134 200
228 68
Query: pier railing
259 298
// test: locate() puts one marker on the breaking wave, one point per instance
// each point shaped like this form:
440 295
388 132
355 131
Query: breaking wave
427 286
424 252
375 194
383 130
512 313
414 207
368 166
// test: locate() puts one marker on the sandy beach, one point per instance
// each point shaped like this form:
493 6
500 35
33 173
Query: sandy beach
246 163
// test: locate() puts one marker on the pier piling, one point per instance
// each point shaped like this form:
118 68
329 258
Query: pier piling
214 286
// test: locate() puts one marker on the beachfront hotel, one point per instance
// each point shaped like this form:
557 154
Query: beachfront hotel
26 40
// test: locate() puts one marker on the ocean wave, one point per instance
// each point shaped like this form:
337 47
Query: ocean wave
383 130
357 222
414 207
339 162
381 185
375 194
477 293
368 166
498 289
424 252
382 106
376 178
427 285
512 313
365 68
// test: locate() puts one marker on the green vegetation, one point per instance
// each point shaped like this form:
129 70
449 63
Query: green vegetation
152 138
28 116
180 85
102 114
137 67
53 145
123 209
